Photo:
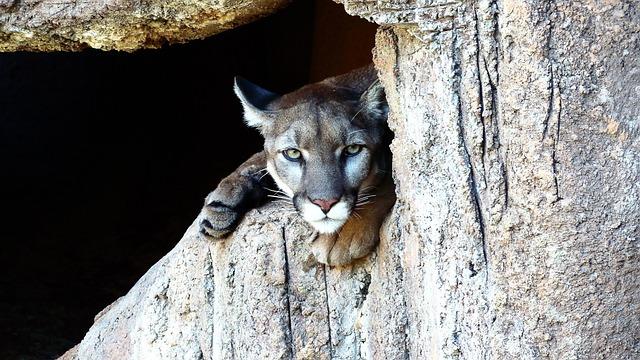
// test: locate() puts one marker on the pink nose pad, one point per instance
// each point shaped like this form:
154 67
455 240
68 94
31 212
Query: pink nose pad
325 205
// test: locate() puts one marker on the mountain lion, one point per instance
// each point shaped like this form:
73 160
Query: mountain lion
327 149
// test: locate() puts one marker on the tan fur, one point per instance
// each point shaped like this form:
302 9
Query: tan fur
321 120
359 236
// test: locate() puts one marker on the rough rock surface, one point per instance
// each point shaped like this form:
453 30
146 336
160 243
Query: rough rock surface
48 25
516 159
515 234
256 295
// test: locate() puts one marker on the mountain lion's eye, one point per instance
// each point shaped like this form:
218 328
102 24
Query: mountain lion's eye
353 149
292 154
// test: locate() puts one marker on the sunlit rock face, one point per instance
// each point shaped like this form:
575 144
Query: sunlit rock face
51 25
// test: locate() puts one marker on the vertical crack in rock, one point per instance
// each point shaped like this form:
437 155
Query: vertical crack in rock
501 156
287 279
554 96
473 186
495 113
554 162
326 299
483 144
486 62
496 38
505 176
551 96
556 83
493 78
210 292
495 58
396 63
394 41
494 91
548 48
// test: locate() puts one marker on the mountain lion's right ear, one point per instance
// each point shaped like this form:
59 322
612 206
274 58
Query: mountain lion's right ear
374 103
254 101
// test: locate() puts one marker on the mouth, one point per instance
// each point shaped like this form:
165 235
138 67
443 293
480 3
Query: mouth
327 225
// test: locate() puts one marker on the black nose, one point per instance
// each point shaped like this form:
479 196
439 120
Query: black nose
325 204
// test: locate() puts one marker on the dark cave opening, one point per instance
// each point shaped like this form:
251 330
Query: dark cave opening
105 158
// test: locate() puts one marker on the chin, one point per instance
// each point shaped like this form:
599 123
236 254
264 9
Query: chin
327 226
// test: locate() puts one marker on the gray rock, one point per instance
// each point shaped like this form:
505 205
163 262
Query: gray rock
256 295
515 234
50 25
517 163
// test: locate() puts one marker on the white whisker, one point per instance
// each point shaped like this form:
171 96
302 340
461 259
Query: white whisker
278 193
279 197
360 205
368 196
263 175
365 199
354 116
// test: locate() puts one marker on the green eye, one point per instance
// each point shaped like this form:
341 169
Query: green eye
292 154
353 149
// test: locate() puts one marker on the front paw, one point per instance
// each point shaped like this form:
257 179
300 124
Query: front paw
344 248
225 206
218 220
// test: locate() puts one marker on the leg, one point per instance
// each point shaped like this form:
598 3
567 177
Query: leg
235 195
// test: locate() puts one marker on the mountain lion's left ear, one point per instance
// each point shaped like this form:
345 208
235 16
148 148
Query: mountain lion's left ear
374 103
254 101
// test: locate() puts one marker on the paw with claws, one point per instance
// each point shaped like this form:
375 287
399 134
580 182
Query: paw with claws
218 220
235 195
227 204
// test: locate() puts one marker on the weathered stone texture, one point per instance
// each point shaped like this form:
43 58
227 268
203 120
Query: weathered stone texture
48 25
516 161
515 234
256 295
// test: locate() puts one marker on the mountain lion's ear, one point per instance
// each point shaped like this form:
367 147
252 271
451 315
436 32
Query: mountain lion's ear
254 101
374 103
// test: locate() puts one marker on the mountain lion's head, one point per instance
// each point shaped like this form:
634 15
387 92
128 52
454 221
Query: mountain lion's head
326 143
